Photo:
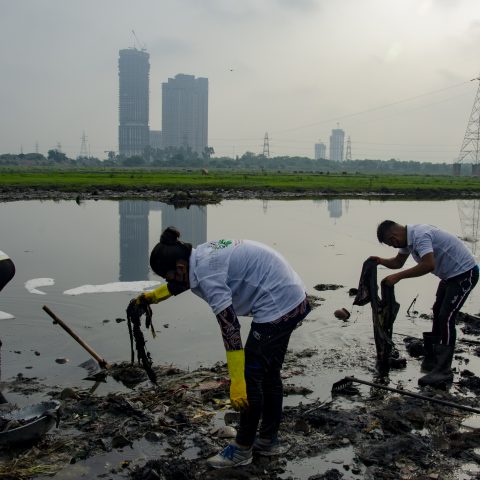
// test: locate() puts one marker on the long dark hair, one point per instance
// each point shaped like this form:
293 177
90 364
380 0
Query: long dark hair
168 251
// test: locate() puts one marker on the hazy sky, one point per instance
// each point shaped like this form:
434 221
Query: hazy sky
395 74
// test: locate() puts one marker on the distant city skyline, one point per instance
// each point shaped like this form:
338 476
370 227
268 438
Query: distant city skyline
396 75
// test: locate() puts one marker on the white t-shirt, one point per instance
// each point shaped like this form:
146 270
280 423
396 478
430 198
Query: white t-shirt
252 277
451 256
3 255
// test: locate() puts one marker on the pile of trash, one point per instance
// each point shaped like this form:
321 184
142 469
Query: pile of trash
374 434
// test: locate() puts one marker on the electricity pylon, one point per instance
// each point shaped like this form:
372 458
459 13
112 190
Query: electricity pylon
348 154
266 146
83 147
470 150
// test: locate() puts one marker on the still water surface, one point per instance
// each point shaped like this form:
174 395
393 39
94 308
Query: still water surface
101 242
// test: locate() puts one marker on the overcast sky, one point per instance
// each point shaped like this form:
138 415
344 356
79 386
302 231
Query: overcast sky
394 74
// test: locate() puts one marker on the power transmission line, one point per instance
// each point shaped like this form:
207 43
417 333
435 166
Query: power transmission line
380 107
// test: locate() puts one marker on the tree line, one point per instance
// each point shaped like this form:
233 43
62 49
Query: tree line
184 157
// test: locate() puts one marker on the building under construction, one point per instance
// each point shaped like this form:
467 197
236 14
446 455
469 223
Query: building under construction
133 74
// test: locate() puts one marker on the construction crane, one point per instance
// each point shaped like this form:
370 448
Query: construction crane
136 42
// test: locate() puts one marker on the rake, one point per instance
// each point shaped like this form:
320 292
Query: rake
346 383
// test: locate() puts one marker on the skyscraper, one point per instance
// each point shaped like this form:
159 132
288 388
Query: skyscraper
320 151
156 139
337 139
133 74
185 112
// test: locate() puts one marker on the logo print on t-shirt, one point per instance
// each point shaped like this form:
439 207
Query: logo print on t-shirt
221 244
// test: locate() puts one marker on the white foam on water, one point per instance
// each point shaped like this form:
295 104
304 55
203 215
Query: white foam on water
6 316
140 286
31 285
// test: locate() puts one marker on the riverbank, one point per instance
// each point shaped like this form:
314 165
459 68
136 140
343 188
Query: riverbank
169 430
194 187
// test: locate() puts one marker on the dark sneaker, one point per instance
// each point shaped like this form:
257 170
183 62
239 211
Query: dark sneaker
269 448
231 456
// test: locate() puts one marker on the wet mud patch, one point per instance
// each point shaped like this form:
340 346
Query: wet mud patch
321 287
471 323
469 382
182 421
392 437
314 300
341 358
180 414
24 385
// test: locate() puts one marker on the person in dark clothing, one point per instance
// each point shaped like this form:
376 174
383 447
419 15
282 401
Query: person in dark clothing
240 277
7 272
444 255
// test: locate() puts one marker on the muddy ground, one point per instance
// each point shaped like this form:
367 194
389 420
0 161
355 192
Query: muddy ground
187 197
366 432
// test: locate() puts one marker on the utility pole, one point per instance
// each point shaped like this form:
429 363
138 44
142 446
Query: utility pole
266 146
470 149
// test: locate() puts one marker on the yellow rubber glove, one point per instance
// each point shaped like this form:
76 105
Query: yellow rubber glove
236 370
155 296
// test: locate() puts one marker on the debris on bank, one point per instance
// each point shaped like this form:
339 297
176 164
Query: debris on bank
373 434
185 198
321 287
184 405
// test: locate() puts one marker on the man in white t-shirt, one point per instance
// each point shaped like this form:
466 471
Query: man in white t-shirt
444 255
239 277
7 271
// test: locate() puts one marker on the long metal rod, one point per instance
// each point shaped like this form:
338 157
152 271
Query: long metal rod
102 362
414 395
462 340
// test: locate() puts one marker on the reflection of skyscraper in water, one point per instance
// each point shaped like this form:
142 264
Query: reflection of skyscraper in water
334 208
192 222
134 248
265 206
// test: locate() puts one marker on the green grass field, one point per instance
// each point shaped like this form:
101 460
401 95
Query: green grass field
124 179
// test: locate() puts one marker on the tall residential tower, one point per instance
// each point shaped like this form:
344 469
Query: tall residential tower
185 112
320 151
337 139
133 74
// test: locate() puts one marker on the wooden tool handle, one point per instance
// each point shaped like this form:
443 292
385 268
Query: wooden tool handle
102 362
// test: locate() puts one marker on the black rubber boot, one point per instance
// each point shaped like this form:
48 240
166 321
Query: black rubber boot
428 362
2 398
442 373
